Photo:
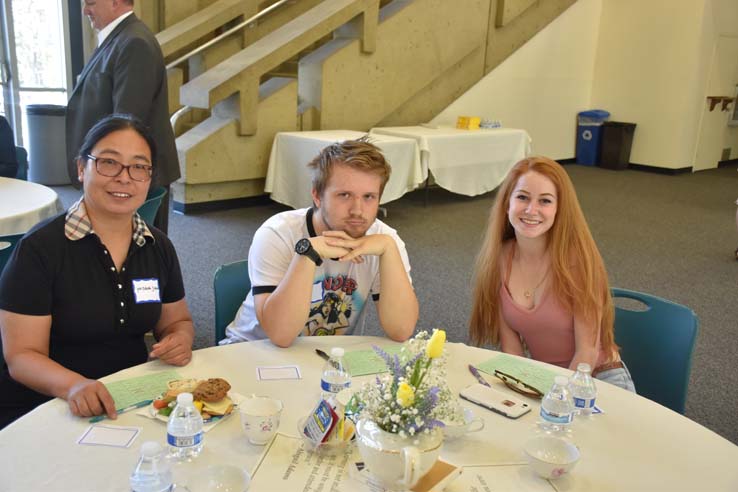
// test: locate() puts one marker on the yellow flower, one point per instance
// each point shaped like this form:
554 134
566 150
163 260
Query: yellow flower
434 348
405 394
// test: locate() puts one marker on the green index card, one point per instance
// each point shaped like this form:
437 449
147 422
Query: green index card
363 362
539 377
128 392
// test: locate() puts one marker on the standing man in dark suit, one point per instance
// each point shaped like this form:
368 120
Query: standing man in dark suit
125 74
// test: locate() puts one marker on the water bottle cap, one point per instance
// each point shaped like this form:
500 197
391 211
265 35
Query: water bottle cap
561 380
584 367
150 449
184 398
337 352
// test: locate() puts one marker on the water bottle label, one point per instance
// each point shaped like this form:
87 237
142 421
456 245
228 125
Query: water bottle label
555 417
184 441
584 402
333 387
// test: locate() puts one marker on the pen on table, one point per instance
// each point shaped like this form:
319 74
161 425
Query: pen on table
479 376
323 355
140 404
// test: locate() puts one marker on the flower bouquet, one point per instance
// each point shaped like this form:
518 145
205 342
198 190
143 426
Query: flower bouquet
413 397
401 413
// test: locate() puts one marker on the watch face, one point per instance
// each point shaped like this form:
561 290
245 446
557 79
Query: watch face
302 246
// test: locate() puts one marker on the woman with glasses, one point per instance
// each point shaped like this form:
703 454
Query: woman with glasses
82 289
540 283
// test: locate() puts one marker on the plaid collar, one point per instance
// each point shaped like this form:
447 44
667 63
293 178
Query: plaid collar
77 225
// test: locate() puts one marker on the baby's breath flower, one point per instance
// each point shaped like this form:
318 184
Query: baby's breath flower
413 397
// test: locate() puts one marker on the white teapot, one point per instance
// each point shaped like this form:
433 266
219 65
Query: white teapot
398 462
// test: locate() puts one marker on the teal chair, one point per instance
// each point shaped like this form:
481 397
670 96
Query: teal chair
231 284
7 245
657 344
148 210
22 157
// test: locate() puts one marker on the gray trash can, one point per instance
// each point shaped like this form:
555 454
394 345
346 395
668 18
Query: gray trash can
47 147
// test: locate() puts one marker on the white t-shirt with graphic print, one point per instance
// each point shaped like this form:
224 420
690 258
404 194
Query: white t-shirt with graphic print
340 289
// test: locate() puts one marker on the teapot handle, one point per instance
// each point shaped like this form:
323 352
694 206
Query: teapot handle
411 458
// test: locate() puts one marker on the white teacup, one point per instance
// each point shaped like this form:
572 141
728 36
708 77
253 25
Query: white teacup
260 418
453 430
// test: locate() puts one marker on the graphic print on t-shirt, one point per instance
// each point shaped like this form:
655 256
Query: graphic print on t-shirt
331 313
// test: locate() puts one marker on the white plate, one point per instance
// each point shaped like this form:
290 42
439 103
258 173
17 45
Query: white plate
154 412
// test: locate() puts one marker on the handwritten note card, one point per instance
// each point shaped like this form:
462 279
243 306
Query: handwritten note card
363 362
131 391
528 372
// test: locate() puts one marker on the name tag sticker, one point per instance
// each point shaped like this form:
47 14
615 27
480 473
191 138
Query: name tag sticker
146 290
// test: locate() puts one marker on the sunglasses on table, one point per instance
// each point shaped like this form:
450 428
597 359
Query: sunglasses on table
517 385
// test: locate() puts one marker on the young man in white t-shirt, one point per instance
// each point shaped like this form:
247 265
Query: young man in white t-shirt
313 270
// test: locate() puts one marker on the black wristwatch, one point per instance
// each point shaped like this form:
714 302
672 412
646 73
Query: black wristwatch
305 247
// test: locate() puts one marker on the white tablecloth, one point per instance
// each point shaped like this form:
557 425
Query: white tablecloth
635 445
24 204
289 180
469 162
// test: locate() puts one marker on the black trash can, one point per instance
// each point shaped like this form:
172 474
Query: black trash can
47 145
617 140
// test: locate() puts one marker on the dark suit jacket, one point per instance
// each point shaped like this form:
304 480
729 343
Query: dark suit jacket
125 74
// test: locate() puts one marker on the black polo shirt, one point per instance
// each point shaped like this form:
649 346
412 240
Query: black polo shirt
99 315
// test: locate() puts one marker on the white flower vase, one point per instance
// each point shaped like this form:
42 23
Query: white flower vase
398 462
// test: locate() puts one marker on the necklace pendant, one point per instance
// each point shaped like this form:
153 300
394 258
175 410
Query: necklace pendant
527 294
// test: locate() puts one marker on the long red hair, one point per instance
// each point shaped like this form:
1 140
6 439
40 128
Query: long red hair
579 279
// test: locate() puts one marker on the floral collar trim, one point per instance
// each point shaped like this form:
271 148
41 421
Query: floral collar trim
77 225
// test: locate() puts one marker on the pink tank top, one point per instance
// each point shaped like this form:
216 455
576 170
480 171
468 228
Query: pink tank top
547 329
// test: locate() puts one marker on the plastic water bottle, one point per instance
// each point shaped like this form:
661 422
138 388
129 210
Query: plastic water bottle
557 408
583 390
184 430
335 376
152 472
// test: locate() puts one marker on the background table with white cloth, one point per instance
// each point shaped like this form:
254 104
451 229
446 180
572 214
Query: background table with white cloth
468 162
24 204
289 180
635 445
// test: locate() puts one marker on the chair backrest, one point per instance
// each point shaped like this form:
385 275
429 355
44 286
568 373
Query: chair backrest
7 245
657 345
231 284
21 155
148 210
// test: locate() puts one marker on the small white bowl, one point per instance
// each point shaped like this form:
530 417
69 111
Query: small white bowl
551 457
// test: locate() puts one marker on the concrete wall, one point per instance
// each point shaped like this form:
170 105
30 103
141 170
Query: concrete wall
543 85
219 164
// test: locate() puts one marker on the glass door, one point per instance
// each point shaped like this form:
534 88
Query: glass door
35 62
9 106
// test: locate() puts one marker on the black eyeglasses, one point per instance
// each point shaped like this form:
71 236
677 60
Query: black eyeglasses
111 168
517 385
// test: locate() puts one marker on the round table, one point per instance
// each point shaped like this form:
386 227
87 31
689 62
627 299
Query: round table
25 204
635 445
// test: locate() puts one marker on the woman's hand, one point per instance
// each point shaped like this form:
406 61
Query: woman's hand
175 333
89 397
175 349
